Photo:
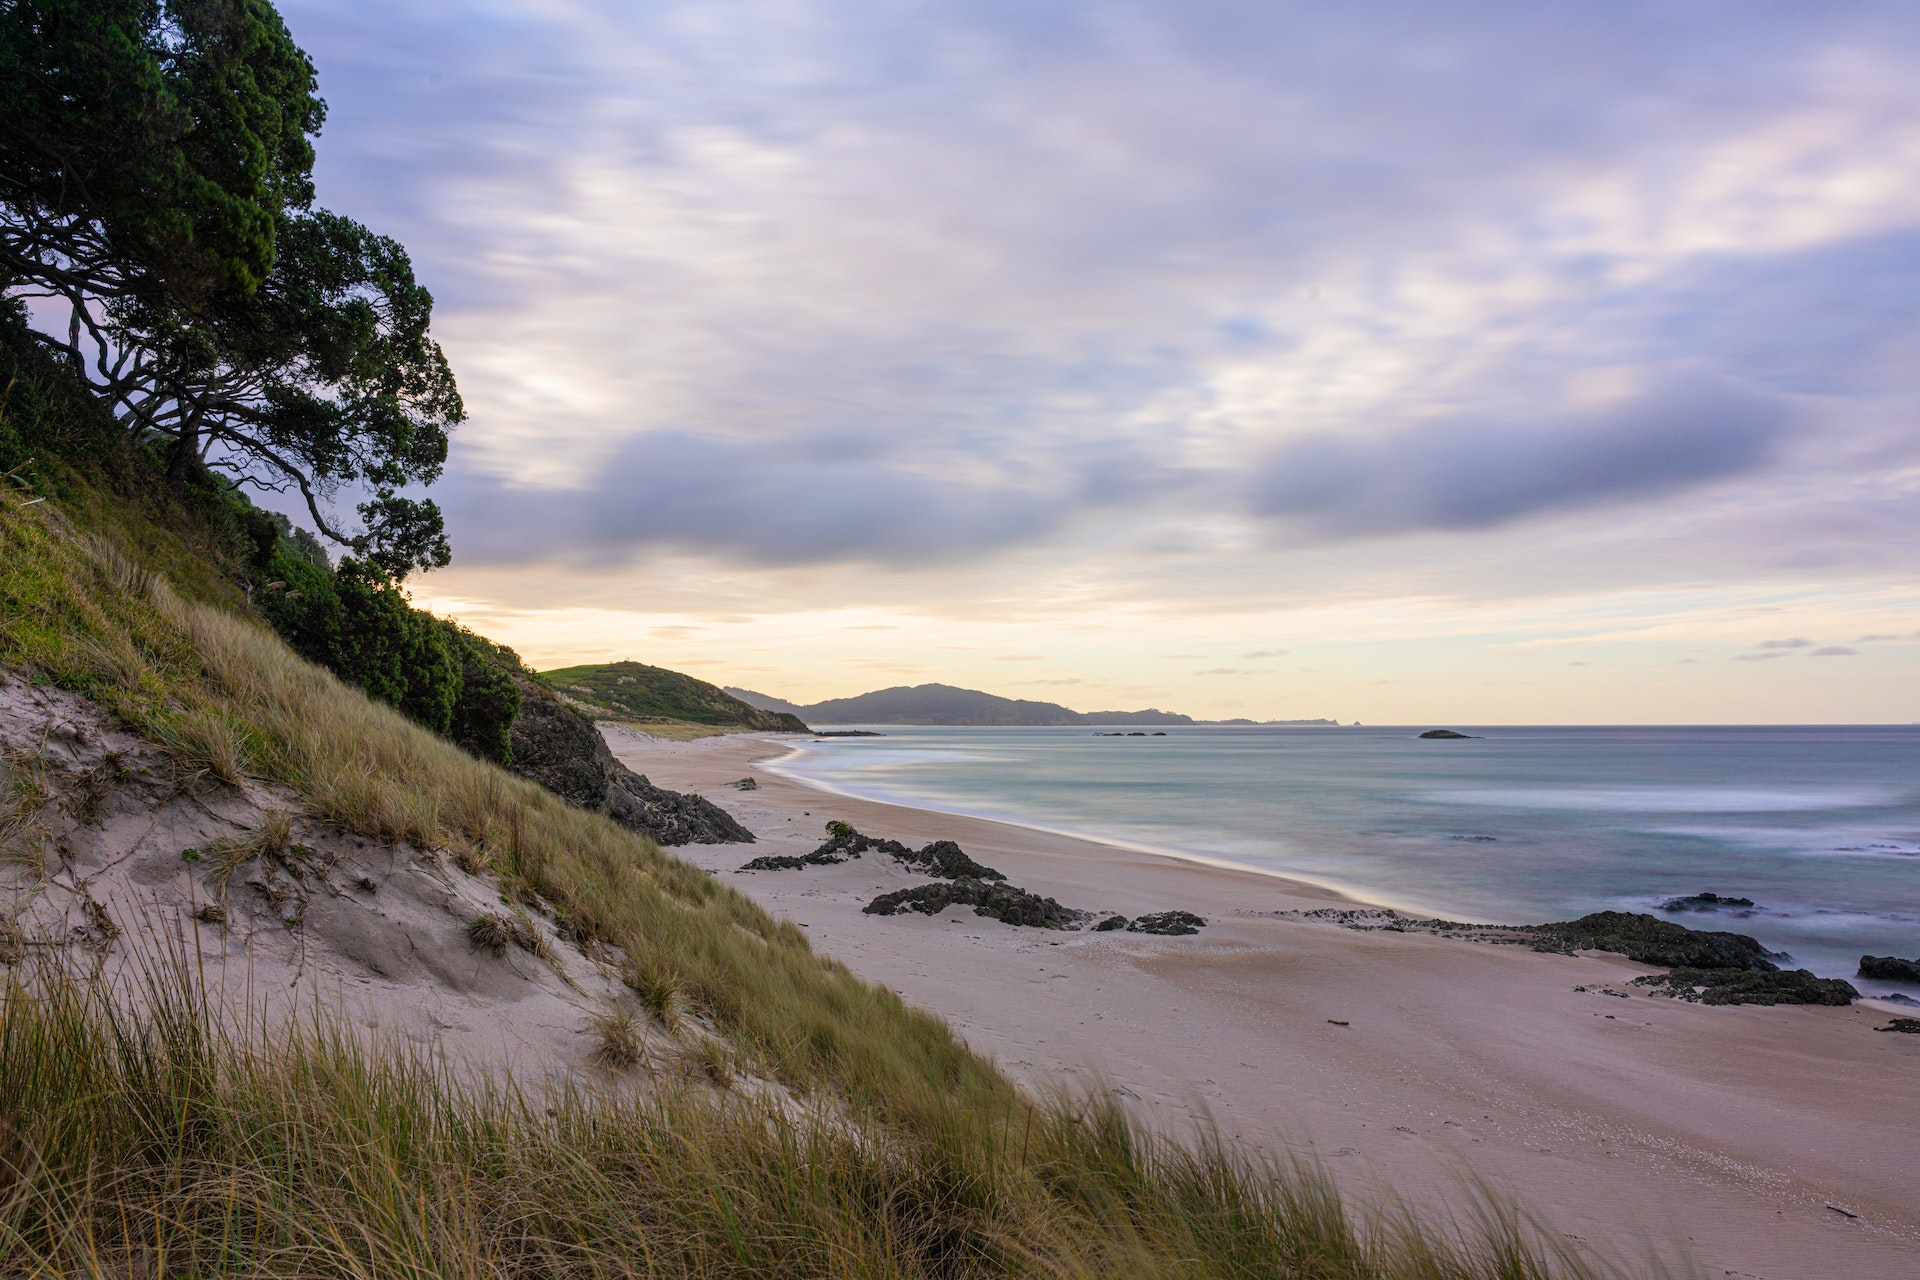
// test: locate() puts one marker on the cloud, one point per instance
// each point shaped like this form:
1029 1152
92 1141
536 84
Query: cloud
1758 657
1796 642
1267 653
1834 651
1477 473
1018 657
775 505
862 284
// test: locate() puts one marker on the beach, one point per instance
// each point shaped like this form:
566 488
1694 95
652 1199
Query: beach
1761 1142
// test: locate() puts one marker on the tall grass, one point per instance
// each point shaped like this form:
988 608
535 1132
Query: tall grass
148 1137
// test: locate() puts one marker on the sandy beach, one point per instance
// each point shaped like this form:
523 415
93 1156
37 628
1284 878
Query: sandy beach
1774 1143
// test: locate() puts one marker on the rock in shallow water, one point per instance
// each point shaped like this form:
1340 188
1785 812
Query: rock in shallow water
1651 940
1708 902
1890 969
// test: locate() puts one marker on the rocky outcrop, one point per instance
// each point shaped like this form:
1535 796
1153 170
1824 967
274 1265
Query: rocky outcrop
1651 940
1709 968
945 859
1444 733
561 750
1890 969
1733 986
1171 923
996 901
942 858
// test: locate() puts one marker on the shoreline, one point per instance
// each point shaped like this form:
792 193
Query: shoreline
1067 833
1399 1060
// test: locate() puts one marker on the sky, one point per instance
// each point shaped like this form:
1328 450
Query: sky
1431 362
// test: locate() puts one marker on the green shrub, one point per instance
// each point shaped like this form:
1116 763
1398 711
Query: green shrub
489 697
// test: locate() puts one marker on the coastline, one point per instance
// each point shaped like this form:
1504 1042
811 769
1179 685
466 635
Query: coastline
1721 1132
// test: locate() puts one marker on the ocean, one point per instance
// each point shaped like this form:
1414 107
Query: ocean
1818 827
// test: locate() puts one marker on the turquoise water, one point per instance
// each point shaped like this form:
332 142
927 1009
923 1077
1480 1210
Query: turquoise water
1820 827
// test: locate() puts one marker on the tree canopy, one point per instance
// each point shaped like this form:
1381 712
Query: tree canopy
156 178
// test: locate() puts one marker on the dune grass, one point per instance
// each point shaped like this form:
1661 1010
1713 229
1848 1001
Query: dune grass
167 1142
147 1136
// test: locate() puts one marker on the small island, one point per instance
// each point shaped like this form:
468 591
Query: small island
1445 733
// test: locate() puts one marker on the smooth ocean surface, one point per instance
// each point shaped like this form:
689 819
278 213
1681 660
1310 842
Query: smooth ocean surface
1819 826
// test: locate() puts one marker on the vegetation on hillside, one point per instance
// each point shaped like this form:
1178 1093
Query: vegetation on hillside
636 691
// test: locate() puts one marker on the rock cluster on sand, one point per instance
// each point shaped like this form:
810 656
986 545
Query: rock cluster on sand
1890 969
942 858
561 750
1709 967
970 884
1733 986
998 901
1175 923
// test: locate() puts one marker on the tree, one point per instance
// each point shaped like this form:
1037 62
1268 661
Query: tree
155 176
323 377
148 147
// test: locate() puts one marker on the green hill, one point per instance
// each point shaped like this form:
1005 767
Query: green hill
642 692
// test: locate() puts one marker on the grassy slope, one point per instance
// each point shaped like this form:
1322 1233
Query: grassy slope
635 689
153 1143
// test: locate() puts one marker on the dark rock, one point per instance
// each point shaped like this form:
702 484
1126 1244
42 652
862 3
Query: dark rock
846 733
1889 969
844 842
941 858
1444 733
783 862
1651 940
1475 839
1110 924
996 901
745 784
1158 733
1706 902
668 816
1732 986
1136 734
560 749
945 859
1898 998
1909 1026
1174 923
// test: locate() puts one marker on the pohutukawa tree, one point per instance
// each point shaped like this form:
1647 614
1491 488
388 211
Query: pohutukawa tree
156 184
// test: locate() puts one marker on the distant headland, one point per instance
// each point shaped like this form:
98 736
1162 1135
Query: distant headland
942 704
